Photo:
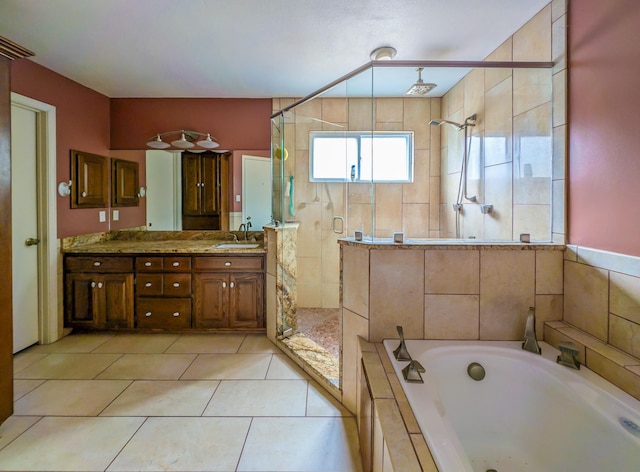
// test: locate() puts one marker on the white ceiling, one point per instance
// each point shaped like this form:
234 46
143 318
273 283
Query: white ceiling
249 48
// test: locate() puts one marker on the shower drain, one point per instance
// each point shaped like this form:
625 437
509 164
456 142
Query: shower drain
630 426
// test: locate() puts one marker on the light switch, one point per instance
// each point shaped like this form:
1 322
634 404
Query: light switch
237 198
116 215
102 215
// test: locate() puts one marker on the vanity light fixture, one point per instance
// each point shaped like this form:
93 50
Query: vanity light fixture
185 141
64 188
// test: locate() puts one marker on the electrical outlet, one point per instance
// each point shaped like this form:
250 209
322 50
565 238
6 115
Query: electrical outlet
102 216
116 215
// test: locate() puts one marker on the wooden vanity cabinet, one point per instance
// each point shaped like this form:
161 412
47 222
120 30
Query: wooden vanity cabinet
228 291
99 292
163 292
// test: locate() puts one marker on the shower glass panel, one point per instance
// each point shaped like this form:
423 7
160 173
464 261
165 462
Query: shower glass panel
477 165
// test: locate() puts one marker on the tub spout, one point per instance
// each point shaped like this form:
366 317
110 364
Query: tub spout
401 353
568 355
530 342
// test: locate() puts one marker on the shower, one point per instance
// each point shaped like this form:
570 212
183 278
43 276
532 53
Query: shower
462 185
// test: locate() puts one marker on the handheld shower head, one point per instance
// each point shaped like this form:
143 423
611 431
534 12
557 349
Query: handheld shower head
441 122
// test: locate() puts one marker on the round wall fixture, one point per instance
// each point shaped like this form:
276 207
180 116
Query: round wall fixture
383 53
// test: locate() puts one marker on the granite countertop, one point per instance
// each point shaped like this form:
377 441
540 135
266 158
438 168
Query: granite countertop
165 247
449 244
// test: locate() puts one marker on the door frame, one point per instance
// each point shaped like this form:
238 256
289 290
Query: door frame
49 311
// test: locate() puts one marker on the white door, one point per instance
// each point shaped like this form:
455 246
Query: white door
163 201
24 224
256 191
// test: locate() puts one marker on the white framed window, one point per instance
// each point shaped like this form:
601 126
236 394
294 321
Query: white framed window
361 156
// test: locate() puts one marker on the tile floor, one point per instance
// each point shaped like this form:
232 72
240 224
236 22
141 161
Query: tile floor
148 402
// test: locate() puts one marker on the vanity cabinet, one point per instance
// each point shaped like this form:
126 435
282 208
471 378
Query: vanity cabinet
163 292
99 292
229 292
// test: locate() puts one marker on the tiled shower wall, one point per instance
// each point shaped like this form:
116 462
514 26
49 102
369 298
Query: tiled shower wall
517 151
410 207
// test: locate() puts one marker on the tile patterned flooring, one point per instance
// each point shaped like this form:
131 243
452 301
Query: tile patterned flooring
150 402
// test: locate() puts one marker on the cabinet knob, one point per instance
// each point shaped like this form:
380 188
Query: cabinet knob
84 194
176 284
93 285
147 314
100 284
147 264
224 284
227 264
175 264
97 263
176 314
232 284
148 284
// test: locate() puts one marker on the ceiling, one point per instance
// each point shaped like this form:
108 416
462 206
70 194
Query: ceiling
250 48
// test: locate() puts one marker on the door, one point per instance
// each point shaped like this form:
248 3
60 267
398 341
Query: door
25 231
256 191
162 199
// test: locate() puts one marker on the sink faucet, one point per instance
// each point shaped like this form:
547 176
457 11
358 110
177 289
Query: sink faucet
530 342
245 227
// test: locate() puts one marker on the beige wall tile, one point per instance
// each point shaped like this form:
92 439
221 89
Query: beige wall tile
559 152
532 42
359 192
531 88
548 308
424 454
474 96
330 295
452 272
334 110
504 52
360 114
309 295
624 335
397 293
353 326
507 288
558 8
415 220
417 114
331 196
549 275
330 257
309 270
560 98
359 218
388 204
434 204
309 235
532 219
558 223
559 43
586 292
454 100
355 273
418 190
389 110
498 124
498 224
451 316
472 219
625 296
614 373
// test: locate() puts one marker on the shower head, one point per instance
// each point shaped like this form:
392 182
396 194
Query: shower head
470 121
420 88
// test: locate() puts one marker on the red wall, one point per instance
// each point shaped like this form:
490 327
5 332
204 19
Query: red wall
604 111
91 122
82 123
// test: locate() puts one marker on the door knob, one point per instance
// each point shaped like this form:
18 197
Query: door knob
31 242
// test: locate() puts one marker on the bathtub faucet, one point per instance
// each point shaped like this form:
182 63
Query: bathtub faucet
412 371
401 353
530 342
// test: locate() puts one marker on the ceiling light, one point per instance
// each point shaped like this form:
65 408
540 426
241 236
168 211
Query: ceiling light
383 53
185 141
420 88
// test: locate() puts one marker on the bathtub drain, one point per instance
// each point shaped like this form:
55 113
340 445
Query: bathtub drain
476 372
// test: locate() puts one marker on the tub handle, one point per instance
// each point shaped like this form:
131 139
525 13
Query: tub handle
412 372
401 352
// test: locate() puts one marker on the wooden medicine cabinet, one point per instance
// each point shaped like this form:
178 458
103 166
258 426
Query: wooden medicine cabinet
90 178
124 183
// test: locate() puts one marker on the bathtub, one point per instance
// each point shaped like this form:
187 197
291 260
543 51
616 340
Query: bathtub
528 413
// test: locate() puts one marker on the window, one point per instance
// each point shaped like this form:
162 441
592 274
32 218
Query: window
361 156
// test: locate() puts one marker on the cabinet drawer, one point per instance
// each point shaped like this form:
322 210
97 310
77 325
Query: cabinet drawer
177 285
228 264
99 264
149 264
177 264
149 285
163 313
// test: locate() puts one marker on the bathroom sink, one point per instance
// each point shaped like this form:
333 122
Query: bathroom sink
236 246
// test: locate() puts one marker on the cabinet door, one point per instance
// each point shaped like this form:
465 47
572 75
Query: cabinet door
190 184
209 186
246 302
80 300
211 301
90 176
117 295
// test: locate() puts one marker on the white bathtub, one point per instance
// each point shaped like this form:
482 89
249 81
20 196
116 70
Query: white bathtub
528 414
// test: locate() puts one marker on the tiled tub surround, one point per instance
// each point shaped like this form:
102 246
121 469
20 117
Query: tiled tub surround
444 290
602 314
